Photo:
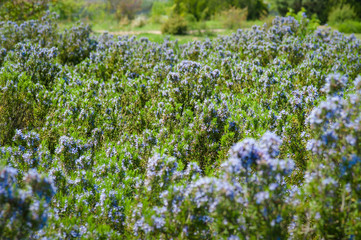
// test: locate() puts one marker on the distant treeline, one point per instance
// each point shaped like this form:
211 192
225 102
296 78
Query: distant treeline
19 10
204 9
321 8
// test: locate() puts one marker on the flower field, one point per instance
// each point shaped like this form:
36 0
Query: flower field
256 135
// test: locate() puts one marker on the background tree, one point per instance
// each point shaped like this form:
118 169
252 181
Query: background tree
283 6
321 8
204 9
199 9
355 4
125 8
68 9
256 8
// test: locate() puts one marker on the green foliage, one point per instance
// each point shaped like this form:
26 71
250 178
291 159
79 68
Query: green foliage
355 4
320 8
283 6
124 8
341 13
256 8
159 10
38 73
175 25
233 18
312 23
68 9
198 9
349 26
22 10
204 9
17 109
344 17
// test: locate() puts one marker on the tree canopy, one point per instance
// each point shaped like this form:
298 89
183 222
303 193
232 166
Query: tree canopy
203 9
321 8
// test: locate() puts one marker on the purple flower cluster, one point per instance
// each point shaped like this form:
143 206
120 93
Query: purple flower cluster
250 178
23 210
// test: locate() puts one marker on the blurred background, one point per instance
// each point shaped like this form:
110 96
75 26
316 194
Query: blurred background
188 19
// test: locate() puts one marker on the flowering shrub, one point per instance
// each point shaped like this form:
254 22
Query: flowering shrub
333 175
248 198
42 32
248 136
27 76
24 210
35 62
75 44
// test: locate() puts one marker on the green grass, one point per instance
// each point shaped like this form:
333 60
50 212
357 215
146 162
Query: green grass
197 30
210 24
149 27
108 24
